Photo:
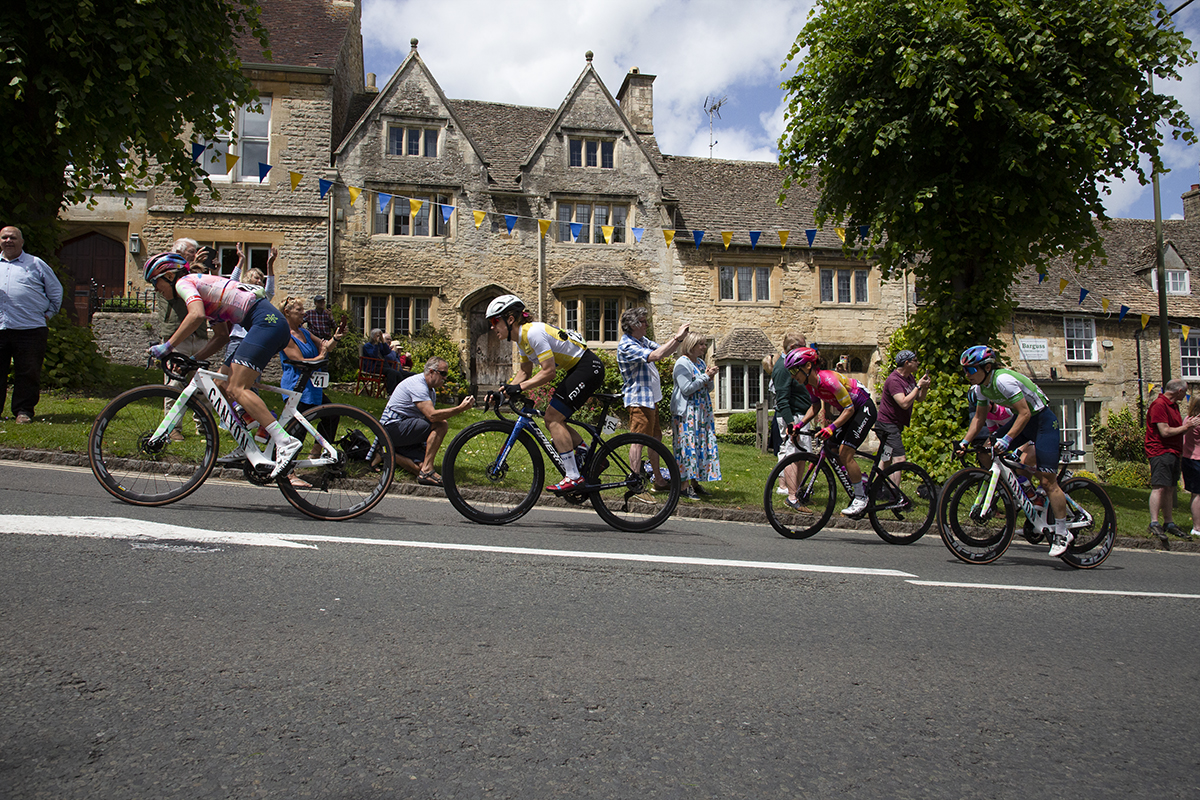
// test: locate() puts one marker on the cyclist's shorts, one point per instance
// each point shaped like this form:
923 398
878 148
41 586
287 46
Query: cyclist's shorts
579 384
854 433
1042 430
267 333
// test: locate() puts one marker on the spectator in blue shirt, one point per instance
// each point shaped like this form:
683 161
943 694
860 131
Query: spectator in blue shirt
30 295
643 388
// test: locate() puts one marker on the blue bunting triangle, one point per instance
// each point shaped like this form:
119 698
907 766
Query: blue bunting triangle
263 169
863 230
510 220
446 212
1082 294
811 233
325 186
697 235
197 150
384 199
637 234
1124 311
576 229
754 238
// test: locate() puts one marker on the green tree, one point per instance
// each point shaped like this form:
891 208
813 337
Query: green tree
975 138
96 95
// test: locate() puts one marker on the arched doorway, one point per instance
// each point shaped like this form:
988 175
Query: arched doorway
93 258
491 359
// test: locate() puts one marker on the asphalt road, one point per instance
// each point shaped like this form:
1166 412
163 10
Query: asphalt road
252 652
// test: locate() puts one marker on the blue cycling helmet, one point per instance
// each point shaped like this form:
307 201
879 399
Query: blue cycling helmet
162 265
978 356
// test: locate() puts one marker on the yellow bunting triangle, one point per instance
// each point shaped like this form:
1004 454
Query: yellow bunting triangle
354 193
1062 284
1145 321
1186 330
296 178
841 232
783 237
1150 387
726 237
415 206
230 161
607 230
1104 304
479 215
543 226
669 236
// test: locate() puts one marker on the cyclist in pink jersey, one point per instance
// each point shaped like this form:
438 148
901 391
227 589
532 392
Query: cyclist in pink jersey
855 415
225 302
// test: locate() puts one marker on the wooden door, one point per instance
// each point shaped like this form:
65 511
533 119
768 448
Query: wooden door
92 258
491 359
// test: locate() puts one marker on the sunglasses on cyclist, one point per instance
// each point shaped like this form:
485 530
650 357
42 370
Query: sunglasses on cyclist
971 370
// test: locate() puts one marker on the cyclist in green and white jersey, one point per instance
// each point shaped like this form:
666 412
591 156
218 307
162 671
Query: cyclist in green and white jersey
1034 422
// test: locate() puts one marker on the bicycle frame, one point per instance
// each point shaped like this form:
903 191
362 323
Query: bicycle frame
525 422
1039 517
205 381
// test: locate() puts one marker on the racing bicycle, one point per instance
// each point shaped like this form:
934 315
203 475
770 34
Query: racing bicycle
901 499
977 514
493 471
136 460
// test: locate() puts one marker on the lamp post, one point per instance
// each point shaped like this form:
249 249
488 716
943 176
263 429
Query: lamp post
1164 327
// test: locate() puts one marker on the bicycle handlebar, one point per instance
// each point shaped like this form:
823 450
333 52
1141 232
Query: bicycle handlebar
502 398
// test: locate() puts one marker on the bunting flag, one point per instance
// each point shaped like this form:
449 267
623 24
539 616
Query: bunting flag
637 234
1124 311
1041 277
1150 387
296 178
697 235
543 226
607 230
811 233
446 212
726 237
754 238
263 169
479 215
576 229
841 232
414 208
1104 304
863 230
1062 285
1185 330
509 221
231 162
1145 321
197 151
669 235
354 193
1082 294
384 199
783 237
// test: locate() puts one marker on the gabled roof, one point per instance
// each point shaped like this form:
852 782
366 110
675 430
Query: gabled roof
744 344
503 135
598 274
413 61
301 33
714 194
1130 244
588 72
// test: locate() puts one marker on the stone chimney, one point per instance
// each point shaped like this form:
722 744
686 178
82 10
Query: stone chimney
1191 204
371 88
637 100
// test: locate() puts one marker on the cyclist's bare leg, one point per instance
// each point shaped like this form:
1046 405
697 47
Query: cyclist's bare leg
239 388
853 471
1058 500
564 437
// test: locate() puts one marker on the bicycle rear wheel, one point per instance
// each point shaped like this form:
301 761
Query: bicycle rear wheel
1093 541
816 494
972 533
484 488
623 496
134 468
349 487
903 503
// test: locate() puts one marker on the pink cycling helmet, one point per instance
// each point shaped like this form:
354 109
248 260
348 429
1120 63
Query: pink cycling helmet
801 356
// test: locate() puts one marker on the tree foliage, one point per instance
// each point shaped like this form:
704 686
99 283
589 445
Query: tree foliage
97 94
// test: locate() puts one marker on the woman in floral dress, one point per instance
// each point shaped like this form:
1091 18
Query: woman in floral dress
693 427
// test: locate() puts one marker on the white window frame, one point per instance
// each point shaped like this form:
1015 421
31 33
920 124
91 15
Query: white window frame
1079 335
744 283
592 232
256 256
398 209
369 308
855 291
1179 282
1189 356
738 378
246 169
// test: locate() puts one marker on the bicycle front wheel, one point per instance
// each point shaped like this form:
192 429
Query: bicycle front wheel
623 496
903 503
974 533
1094 537
799 496
484 487
134 467
345 488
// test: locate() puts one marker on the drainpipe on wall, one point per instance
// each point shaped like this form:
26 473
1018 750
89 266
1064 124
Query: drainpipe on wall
541 282
329 254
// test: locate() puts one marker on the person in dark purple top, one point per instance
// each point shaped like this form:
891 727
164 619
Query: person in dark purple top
901 391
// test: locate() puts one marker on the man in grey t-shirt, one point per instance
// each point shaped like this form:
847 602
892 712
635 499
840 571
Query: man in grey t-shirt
414 423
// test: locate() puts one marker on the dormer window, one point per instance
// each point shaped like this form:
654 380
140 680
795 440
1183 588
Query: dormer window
412 140
591 153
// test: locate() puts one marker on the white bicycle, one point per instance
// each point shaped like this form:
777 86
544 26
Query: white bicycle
135 458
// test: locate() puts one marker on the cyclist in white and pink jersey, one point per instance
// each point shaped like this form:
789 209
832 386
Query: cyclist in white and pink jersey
225 302
856 415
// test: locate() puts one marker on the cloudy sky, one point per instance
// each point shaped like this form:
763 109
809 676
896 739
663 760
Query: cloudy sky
529 52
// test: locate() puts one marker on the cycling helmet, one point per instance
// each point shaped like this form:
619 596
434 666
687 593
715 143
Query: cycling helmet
977 356
162 265
905 356
800 357
503 304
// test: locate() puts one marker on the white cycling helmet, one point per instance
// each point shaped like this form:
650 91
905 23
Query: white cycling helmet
503 304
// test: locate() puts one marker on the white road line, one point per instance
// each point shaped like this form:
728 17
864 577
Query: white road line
1013 588
121 528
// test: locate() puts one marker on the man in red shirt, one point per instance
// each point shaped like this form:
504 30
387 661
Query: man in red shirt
1164 443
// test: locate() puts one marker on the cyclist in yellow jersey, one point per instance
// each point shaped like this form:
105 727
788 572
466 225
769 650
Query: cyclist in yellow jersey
551 349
